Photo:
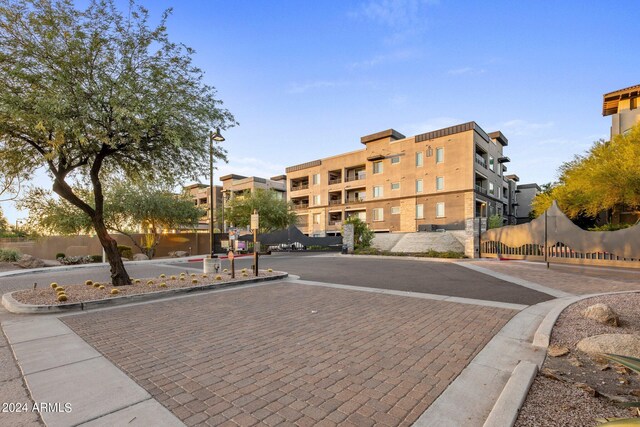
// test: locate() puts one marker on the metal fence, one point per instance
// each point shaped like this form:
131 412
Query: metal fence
552 237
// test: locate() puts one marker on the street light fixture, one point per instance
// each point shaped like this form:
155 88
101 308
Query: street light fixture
213 136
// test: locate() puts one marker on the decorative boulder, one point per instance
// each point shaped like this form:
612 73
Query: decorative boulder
28 261
602 313
179 254
140 257
623 344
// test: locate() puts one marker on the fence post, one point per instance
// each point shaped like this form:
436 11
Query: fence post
546 259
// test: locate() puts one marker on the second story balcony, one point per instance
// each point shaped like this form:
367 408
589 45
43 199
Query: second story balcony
481 161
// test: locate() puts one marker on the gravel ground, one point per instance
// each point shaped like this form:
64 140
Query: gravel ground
8 266
559 402
82 292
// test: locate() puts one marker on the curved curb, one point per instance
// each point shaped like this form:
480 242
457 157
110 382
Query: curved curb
507 407
12 305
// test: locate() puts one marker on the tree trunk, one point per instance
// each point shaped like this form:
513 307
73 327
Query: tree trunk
119 276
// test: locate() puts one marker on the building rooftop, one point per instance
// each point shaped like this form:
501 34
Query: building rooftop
611 99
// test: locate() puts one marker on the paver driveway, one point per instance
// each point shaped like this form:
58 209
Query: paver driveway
287 353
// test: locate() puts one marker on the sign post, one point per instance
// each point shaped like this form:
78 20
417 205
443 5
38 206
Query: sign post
230 256
255 219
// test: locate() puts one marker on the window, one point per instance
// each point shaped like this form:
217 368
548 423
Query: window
378 214
316 200
440 210
418 186
491 163
419 160
377 167
377 191
316 218
395 210
395 185
439 154
491 190
439 182
419 211
395 160
316 179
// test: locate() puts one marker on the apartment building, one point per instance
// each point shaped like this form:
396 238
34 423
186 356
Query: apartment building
622 106
526 194
200 194
435 180
235 185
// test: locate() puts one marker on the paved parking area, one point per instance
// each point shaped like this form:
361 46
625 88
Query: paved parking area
287 353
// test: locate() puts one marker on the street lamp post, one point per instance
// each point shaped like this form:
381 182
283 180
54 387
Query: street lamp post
218 138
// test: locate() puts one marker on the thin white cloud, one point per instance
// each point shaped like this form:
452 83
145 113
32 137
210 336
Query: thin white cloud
429 125
519 127
393 13
392 57
466 71
318 84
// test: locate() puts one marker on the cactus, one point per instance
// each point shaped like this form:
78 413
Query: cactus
194 281
162 276
114 291
101 287
163 285
244 270
62 297
245 275
150 282
96 285
136 281
88 282
54 285
218 277
226 270
204 276
59 289
173 277
270 270
193 275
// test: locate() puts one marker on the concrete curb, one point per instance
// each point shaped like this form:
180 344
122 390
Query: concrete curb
408 258
507 406
512 396
14 306
22 272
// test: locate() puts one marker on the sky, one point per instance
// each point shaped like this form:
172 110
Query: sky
305 80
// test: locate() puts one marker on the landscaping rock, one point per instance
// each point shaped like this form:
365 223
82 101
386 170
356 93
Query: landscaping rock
140 257
557 351
28 261
602 313
178 254
623 344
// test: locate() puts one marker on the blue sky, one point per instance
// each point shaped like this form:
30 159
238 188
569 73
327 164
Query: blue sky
307 79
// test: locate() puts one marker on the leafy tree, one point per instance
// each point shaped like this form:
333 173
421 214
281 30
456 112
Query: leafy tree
4 224
495 221
91 94
362 235
128 210
275 212
605 178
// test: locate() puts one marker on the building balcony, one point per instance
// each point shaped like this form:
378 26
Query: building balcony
301 206
356 177
335 202
335 181
335 222
481 190
355 200
300 187
481 161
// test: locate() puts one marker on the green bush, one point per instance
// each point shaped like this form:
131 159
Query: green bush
95 258
495 221
60 255
9 255
125 251
428 254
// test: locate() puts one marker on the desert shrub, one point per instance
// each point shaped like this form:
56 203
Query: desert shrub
218 277
125 251
610 227
60 255
89 282
114 291
95 258
9 255
62 297
101 287
163 285
54 285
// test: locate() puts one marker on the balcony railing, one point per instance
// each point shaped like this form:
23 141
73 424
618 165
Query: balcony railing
335 181
335 202
299 187
335 222
481 189
301 206
481 161
355 199
356 177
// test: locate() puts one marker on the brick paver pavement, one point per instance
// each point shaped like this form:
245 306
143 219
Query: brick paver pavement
572 279
293 354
